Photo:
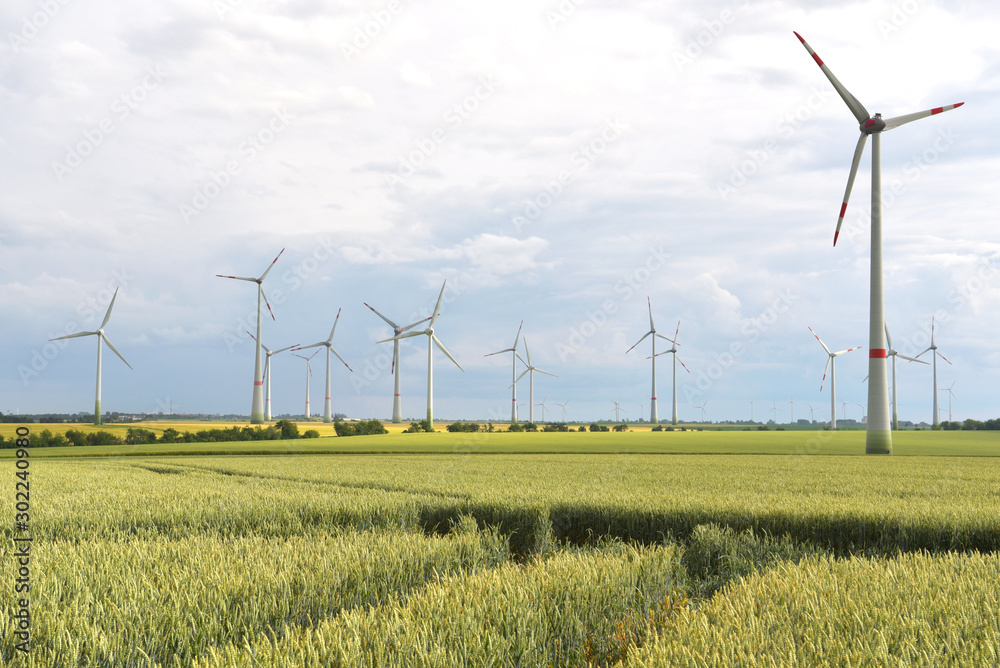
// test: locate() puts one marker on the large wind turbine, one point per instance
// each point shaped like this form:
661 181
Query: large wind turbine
100 338
308 374
893 353
267 375
432 340
673 351
513 373
935 354
653 415
397 401
328 344
531 380
257 404
878 439
831 365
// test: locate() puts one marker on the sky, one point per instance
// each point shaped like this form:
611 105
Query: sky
557 163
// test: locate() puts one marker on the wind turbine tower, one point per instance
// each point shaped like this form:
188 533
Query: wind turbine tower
397 400
934 355
531 380
878 439
257 402
653 415
328 344
308 374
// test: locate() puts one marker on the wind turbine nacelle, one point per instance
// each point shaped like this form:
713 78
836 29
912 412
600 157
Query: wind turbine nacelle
873 125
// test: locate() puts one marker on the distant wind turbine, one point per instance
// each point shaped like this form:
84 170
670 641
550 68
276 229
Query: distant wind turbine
878 438
831 365
267 375
951 395
653 415
101 338
397 405
618 410
257 403
513 372
308 374
542 404
934 355
563 405
432 340
530 370
704 414
328 344
673 351
893 353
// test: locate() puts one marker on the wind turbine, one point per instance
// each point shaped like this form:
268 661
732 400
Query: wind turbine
811 413
328 344
531 380
432 340
791 411
513 373
863 411
751 412
543 408
831 365
308 373
653 415
951 395
618 410
100 338
774 411
397 405
267 375
703 412
563 405
893 353
845 409
935 354
257 404
878 439
673 351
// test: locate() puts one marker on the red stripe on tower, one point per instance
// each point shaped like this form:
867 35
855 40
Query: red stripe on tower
877 353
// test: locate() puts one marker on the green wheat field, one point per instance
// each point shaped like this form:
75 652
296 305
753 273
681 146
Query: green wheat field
637 549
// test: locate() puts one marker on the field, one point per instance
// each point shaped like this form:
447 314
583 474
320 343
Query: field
635 549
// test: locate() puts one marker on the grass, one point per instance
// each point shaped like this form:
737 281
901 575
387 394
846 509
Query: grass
905 443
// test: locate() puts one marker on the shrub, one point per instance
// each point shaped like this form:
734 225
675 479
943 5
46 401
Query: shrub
464 427
621 427
310 433
514 426
287 429
360 428
138 436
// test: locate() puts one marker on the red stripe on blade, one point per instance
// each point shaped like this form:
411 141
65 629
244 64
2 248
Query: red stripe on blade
843 209
817 59
936 110
876 353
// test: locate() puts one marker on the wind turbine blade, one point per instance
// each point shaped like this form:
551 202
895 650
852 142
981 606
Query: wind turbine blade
682 363
896 121
261 345
445 351
639 341
312 345
115 351
888 339
284 349
846 351
341 359
238 278
271 266
676 332
820 341
437 307
519 378
856 107
942 356
911 359
505 350
546 373
527 352
73 336
107 316
334 328
390 322
521 358
518 337
664 338
652 327
858 151
825 369
401 336
412 325
261 288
